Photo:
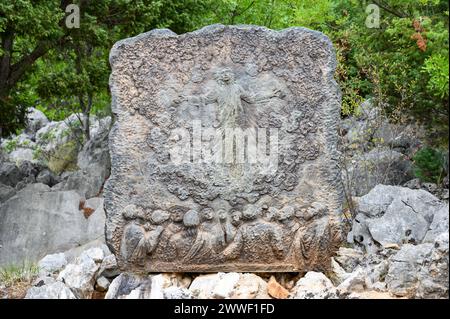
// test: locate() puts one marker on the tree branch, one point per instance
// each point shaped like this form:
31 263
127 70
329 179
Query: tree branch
390 10
5 61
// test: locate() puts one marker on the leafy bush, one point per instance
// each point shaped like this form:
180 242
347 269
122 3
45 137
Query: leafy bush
429 165
10 145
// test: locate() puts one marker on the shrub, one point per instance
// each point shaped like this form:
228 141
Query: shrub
429 165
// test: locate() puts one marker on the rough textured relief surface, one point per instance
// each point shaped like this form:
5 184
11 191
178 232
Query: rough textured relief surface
224 151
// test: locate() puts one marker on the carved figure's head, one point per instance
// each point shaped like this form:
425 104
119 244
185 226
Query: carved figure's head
159 216
177 213
270 214
285 213
236 218
131 212
224 76
191 218
222 213
251 212
207 214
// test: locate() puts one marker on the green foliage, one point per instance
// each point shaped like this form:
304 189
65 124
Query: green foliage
437 68
429 165
10 145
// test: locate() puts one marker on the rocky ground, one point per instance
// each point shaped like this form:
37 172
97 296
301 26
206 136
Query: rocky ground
51 214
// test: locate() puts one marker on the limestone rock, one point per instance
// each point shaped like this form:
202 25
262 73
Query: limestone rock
80 276
203 285
35 120
36 222
161 286
56 290
94 163
102 284
47 177
404 267
225 286
349 258
434 273
6 192
125 284
314 285
250 286
339 273
439 224
378 166
53 263
355 282
108 267
420 271
177 293
397 215
10 174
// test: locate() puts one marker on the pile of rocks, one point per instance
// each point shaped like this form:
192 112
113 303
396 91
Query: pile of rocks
90 271
42 211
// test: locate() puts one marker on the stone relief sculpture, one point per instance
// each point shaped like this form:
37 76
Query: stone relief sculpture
258 98
230 98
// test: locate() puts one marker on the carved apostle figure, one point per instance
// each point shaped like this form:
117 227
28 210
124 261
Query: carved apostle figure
167 246
210 238
150 237
256 240
312 237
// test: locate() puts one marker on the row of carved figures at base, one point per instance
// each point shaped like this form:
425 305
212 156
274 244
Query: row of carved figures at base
255 235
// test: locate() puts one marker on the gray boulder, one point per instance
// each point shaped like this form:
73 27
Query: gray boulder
420 271
397 215
6 192
102 284
371 129
52 263
355 282
47 177
10 174
439 224
95 166
125 284
35 120
108 267
80 276
55 290
161 286
314 285
36 222
434 273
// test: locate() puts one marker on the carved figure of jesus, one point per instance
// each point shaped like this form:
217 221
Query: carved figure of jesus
229 96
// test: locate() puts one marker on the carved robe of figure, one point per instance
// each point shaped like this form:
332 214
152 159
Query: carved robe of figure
132 235
311 241
289 225
167 246
148 242
229 225
256 241
209 241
